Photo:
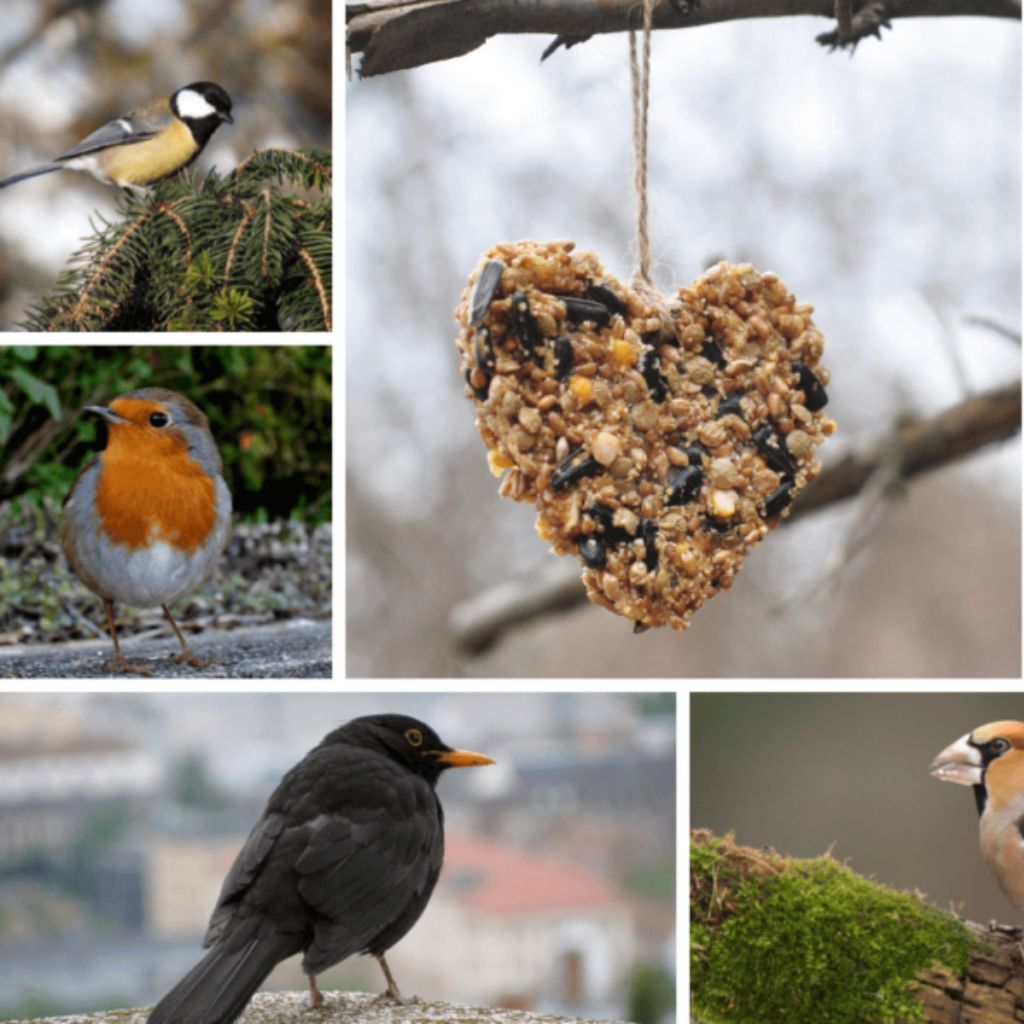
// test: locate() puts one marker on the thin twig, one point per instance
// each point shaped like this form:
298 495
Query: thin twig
923 444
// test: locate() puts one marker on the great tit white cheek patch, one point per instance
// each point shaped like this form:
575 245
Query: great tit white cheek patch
658 446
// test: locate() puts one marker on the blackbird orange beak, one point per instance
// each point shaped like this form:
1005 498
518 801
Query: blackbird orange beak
461 758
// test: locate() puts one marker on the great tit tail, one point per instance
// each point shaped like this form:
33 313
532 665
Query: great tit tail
45 169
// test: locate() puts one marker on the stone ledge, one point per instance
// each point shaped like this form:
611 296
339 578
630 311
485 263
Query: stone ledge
341 1008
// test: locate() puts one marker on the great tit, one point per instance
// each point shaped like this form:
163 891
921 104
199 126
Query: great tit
148 144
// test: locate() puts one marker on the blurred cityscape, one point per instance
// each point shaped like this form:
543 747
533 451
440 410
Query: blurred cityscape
120 815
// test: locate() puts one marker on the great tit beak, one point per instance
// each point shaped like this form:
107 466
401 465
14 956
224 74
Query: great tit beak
461 758
107 413
959 762
225 116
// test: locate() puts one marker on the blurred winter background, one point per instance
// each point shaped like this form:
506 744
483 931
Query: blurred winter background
66 68
884 189
120 815
803 773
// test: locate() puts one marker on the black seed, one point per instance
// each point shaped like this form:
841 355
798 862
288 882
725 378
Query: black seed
481 393
778 499
483 350
523 325
712 525
730 407
654 338
640 627
770 445
712 352
483 290
603 516
709 391
697 453
684 484
655 382
563 357
593 553
815 396
603 294
576 465
648 531
578 310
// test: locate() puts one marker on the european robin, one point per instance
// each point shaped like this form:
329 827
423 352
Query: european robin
146 520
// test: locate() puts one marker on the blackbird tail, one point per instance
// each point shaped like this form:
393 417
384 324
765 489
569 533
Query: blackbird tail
218 988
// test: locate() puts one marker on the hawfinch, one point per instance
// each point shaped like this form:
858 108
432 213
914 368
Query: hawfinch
991 759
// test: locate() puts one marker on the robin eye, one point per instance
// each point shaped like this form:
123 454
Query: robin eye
158 419
414 736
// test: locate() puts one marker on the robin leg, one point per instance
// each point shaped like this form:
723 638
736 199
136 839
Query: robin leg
391 993
316 997
187 657
119 662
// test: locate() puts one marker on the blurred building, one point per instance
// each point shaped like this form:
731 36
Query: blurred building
57 779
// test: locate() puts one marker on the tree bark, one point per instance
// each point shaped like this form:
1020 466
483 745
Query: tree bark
393 35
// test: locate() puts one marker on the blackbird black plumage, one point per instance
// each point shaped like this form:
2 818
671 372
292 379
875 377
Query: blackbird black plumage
343 861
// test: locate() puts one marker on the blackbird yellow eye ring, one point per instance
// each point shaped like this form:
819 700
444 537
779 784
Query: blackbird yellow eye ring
414 736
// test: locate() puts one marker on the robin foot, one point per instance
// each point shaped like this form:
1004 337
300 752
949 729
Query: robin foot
187 656
391 994
119 663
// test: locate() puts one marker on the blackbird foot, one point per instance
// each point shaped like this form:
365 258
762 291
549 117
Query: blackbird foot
316 997
391 994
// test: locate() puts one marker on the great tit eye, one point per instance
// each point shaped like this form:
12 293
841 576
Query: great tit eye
1000 746
158 419
414 736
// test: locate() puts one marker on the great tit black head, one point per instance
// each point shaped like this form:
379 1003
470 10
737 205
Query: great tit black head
150 143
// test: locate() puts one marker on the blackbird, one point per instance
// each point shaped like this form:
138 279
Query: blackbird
343 861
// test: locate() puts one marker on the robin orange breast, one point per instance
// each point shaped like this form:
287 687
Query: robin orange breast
146 520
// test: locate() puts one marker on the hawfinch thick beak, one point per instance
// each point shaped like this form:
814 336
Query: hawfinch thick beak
959 762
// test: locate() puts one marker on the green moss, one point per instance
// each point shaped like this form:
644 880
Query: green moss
779 941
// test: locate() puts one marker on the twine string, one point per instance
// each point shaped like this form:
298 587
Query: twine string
640 80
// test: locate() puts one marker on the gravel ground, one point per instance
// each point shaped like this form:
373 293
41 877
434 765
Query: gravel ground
293 1008
268 573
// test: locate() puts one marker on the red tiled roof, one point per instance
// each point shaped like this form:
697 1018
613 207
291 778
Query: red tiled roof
498 879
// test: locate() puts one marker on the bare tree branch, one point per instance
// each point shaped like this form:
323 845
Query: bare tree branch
920 445
396 34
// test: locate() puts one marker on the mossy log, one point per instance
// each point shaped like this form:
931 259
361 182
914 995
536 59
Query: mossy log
776 940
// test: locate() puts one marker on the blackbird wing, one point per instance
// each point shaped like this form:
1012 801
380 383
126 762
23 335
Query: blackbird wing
243 872
370 860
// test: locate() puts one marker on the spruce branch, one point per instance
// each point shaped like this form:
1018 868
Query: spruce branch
247 251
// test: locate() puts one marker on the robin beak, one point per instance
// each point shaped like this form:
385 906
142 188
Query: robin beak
461 758
107 413
959 762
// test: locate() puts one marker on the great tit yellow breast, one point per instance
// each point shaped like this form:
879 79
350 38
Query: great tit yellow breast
142 163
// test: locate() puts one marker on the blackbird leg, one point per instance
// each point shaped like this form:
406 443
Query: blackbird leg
187 656
316 997
120 663
391 993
